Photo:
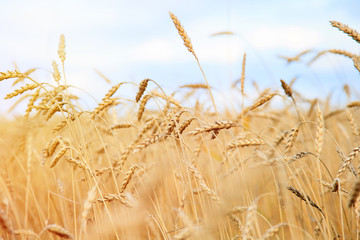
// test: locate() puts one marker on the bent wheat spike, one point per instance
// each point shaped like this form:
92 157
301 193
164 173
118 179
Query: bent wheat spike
195 85
115 197
21 90
182 33
59 231
27 73
218 125
347 161
244 142
346 29
127 178
11 74
305 198
112 91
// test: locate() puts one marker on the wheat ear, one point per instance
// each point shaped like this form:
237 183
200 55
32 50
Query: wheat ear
347 161
354 193
250 216
115 197
61 50
305 198
346 29
271 232
354 128
258 103
212 194
32 100
218 125
287 89
112 91
195 86
20 79
182 33
142 104
357 63
59 231
88 203
56 73
21 90
319 140
244 142
5 224
142 88
188 45
127 178
292 137
11 74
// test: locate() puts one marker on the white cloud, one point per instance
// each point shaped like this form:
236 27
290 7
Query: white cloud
159 49
290 37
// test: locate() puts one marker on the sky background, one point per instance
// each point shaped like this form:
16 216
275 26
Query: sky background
128 41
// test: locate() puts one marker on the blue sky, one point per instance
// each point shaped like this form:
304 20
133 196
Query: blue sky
133 40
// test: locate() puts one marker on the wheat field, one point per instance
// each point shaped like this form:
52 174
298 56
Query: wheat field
165 170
